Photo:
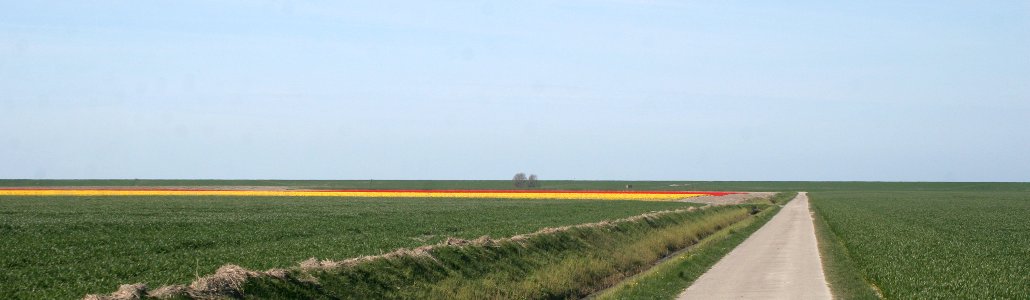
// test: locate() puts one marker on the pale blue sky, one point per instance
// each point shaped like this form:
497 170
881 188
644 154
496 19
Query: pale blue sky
677 90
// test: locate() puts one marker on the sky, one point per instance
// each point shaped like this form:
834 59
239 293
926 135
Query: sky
566 89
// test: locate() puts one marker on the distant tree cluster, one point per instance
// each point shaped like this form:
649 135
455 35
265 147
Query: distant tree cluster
522 181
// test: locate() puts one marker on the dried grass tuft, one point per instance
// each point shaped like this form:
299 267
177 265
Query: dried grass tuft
451 241
125 292
310 263
280 274
169 291
484 241
227 281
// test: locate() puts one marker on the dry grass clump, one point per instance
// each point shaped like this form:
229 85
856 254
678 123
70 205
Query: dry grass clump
226 282
168 291
125 292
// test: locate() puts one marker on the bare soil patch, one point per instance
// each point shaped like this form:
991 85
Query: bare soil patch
730 199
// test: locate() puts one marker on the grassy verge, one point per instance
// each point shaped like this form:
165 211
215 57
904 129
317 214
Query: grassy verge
783 198
66 247
845 279
569 262
670 277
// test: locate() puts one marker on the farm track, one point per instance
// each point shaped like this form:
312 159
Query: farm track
779 261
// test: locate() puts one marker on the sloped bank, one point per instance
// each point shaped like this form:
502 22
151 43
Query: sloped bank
564 262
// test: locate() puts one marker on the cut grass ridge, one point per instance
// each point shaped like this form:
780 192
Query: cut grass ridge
561 262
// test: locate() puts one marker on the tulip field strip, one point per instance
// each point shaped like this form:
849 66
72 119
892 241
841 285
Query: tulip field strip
934 245
64 247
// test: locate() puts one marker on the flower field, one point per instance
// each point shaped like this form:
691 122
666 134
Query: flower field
497 194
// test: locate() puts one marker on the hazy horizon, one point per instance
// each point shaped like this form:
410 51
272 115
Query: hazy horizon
491 179
919 91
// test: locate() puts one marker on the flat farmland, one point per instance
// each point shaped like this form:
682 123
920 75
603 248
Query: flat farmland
763 186
66 247
932 244
908 240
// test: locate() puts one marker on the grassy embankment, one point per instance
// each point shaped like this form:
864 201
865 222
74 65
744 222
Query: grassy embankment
566 263
926 245
66 247
670 277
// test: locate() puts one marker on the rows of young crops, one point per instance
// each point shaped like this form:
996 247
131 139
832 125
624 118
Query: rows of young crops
935 245
66 247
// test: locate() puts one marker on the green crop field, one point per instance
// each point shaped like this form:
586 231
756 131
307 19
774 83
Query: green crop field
66 247
910 240
934 245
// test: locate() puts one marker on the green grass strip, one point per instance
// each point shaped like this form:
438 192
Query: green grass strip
783 197
670 277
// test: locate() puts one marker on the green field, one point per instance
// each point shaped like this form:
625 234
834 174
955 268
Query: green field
933 245
910 240
66 247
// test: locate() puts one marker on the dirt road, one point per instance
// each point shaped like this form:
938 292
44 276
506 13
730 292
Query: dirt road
779 261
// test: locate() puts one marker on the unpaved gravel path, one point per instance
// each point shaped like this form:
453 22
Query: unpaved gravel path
779 261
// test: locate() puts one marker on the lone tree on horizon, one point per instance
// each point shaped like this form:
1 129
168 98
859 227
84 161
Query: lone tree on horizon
521 181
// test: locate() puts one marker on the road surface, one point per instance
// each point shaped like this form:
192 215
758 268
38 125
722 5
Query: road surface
779 261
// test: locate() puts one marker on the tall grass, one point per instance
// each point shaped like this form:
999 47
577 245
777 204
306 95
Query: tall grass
783 197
